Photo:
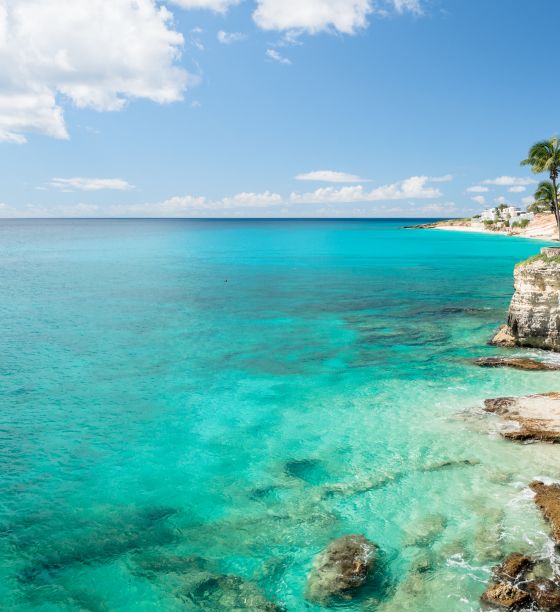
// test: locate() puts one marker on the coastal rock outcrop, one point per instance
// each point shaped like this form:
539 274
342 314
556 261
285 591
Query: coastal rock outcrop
513 568
518 363
505 595
343 567
516 585
534 312
547 498
504 337
535 417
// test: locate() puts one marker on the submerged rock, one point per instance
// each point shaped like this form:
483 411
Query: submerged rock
102 543
487 540
310 471
228 593
537 417
547 498
519 363
170 564
341 568
426 531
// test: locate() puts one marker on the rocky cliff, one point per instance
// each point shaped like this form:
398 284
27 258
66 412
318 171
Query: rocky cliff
534 313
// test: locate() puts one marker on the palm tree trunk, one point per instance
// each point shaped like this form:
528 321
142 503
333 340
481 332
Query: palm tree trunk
556 211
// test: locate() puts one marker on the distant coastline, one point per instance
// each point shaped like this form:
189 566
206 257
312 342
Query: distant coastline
542 227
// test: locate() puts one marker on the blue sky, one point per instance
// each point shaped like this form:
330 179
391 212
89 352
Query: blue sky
272 107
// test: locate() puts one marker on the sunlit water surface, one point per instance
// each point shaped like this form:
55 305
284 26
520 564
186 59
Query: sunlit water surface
191 410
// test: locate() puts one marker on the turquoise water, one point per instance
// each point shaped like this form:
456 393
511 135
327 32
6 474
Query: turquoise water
187 401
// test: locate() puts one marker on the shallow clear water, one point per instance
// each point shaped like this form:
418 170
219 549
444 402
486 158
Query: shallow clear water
187 400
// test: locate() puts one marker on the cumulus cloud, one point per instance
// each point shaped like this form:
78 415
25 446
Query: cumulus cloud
477 189
274 55
228 38
312 15
219 6
517 189
508 181
97 54
415 187
500 200
90 184
330 176
479 199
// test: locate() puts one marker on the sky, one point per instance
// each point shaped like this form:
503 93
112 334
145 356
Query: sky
272 108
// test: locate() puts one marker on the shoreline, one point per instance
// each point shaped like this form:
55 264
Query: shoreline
543 227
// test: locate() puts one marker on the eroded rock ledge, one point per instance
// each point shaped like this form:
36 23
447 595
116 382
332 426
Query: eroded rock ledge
536 417
547 498
534 312
518 363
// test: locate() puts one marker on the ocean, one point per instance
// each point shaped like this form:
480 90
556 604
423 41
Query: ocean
191 410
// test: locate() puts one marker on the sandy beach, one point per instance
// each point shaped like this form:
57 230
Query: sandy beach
542 227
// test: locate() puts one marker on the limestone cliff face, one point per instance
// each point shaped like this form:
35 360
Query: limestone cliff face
534 313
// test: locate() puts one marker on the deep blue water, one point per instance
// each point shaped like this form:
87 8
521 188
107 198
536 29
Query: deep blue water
186 401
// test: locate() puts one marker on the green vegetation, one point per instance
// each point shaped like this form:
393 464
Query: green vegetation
521 224
540 257
544 198
488 223
544 156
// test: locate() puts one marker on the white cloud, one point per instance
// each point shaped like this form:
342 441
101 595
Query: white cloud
446 178
219 6
97 54
446 207
90 184
330 176
415 187
528 200
517 189
312 16
274 55
508 181
408 5
200 205
227 38
500 200
477 189
479 199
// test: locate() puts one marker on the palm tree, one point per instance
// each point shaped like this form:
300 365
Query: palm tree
544 198
544 156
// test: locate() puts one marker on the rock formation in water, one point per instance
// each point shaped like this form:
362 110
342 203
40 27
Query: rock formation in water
341 568
547 498
534 417
534 312
516 585
518 363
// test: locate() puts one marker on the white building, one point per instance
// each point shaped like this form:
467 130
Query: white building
488 214
522 216
510 214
